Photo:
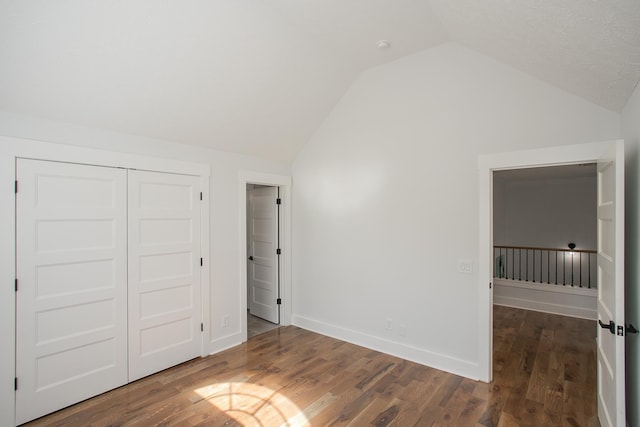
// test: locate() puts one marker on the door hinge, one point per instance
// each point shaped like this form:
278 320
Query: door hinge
489 285
278 251
15 383
16 187
201 195
201 327
620 330
278 201
201 262
279 301
16 285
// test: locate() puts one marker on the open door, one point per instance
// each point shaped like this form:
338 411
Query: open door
263 253
611 370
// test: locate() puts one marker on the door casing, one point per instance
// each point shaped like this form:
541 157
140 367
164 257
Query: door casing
284 183
487 164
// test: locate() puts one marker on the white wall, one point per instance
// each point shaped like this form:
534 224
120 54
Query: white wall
547 213
631 134
226 290
386 198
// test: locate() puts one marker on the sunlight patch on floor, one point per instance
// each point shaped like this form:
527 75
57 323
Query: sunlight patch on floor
253 405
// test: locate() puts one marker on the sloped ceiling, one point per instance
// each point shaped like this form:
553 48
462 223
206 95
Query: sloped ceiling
258 77
588 47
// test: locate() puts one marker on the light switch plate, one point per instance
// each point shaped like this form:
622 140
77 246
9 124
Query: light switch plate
465 266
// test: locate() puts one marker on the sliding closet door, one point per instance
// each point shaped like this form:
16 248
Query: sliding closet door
164 271
71 301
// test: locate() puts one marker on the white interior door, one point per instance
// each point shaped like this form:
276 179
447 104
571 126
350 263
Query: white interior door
611 370
164 271
71 301
263 260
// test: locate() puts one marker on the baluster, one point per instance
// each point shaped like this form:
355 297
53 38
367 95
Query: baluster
564 268
533 266
513 269
540 265
548 268
580 254
506 263
520 264
526 271
573 255
556 277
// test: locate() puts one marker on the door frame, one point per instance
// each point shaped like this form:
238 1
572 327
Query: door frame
273 194
284 183
11 149
487 164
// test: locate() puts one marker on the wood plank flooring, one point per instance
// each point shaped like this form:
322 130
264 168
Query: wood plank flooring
544 368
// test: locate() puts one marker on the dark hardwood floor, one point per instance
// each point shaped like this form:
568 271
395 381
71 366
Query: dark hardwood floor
544 368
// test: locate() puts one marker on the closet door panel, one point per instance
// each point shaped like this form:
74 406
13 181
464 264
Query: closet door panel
164 271
71 329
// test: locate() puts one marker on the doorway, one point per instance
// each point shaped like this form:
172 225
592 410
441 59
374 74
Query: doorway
545 297
283 184
263 258
545 239
610 343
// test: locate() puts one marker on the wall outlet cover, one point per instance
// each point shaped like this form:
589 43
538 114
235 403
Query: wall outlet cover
465 266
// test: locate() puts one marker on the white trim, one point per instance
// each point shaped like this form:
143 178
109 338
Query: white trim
547 287
38 150
205 273
12 148
284 182
7 294
554 299
439 361
553 156
545 307
225 342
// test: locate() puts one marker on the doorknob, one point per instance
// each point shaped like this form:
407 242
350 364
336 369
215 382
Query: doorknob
251 258
611 326
631 329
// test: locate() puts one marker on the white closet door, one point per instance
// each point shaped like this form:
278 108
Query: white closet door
71 303
164 271
263 261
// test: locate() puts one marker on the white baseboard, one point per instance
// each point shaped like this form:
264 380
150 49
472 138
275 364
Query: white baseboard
414 354
554 299
223 343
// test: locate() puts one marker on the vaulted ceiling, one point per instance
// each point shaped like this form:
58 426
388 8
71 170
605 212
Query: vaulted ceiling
258 77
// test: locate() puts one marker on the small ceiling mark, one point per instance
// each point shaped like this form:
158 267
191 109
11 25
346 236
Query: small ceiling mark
383 44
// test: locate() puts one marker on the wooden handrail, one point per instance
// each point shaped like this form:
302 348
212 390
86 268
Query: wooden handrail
545 249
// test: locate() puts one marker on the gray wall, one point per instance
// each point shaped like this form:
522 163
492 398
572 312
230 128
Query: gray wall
546 212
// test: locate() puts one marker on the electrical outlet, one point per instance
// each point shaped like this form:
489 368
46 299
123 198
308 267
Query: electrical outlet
389 324
225 321
465 266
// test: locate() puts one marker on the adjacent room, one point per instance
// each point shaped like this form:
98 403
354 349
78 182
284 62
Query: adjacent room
545 232
322 212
